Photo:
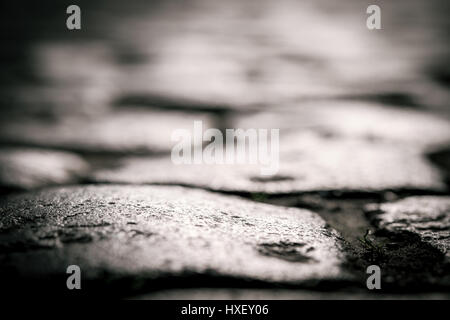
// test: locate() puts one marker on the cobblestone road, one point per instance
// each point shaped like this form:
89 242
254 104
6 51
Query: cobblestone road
86 176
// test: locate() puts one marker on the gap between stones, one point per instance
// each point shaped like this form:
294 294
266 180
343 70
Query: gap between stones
407 264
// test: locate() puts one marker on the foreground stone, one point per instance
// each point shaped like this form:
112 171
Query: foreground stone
308 163
426 217
146 234
23 169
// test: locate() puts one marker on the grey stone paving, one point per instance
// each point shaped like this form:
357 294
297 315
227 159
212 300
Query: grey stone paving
427 217
371 122
270 53
24 169
152 232
146 132
310 164
359 114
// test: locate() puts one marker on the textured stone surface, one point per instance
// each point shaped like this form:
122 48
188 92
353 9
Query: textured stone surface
427 217
22 168
308 163
116 132
151 232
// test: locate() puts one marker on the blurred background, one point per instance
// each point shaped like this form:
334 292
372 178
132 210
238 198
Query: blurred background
138 70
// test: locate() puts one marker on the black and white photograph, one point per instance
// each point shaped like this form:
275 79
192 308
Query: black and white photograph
225 150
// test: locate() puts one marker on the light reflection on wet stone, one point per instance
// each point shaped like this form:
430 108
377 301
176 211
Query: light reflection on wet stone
315 164
23 169
121 132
